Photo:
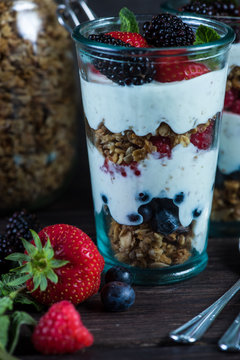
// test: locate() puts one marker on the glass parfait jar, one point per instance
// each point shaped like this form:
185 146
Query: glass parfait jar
37 107
225 216
152 180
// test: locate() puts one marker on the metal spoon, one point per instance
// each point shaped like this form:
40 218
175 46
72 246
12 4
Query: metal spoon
230 341
194 329
67 14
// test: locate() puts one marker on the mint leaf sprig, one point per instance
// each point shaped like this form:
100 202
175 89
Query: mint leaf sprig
128 21
205 35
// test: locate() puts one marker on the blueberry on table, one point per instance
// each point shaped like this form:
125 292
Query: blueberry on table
119 273
117 296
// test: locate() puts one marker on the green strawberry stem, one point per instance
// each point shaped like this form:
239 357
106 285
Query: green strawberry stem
6 356
38 264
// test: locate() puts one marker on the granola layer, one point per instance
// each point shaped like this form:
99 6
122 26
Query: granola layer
141 246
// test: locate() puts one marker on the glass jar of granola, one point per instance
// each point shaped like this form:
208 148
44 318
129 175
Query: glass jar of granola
37 110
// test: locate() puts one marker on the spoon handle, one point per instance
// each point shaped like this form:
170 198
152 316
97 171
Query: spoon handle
230 341
195 328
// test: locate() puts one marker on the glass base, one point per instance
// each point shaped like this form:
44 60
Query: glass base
162 276
224 229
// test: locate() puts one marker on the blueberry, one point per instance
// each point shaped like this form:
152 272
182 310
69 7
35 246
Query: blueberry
104 199
165 222
143 197
133 218
119 273
197 213
179 198
117 296
146 212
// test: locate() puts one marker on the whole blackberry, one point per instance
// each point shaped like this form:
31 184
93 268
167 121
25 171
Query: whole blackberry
6 248
212 7
18 226
124 70
167 30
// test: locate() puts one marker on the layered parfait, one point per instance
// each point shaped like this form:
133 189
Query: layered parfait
152 127
226 200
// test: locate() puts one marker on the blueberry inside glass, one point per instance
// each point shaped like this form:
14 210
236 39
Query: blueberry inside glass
152 108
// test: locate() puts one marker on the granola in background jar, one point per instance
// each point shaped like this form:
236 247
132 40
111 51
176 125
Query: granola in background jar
37 106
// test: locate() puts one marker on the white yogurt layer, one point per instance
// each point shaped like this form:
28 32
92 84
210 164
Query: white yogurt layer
189 171
234 56
182 105
229 152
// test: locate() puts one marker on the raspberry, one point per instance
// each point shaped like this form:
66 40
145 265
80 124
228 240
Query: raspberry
167 30
61 331
163 145
235 108
203 139
229 99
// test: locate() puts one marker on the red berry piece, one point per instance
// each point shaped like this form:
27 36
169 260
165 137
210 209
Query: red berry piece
133 39
111 168
163 145
61 331
235 108
178 71
229 99
203 139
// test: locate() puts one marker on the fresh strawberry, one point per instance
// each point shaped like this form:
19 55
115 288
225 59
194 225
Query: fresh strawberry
178 70
229 99
61 263
235 108
133 39
61 331
203 139
163 145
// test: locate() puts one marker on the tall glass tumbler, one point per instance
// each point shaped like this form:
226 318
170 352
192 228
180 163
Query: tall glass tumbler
152 148
225 216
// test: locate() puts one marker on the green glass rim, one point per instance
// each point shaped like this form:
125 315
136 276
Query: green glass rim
87 45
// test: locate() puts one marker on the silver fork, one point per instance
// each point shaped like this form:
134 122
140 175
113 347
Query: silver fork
230 341
194 329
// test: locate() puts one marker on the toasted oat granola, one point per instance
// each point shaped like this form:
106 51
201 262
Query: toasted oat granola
37 111
127 146
140 246
226 202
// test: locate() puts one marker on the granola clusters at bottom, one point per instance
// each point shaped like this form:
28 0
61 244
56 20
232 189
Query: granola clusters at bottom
141 246
226 198
37 110
226 202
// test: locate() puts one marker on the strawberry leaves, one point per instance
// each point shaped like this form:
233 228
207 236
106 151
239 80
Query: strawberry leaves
38 264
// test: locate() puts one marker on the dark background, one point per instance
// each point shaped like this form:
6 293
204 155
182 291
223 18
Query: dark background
141 333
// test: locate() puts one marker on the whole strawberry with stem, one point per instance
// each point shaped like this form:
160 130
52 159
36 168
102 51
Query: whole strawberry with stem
61 263
61 331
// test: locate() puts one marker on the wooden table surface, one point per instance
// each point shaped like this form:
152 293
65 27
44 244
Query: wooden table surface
142 332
